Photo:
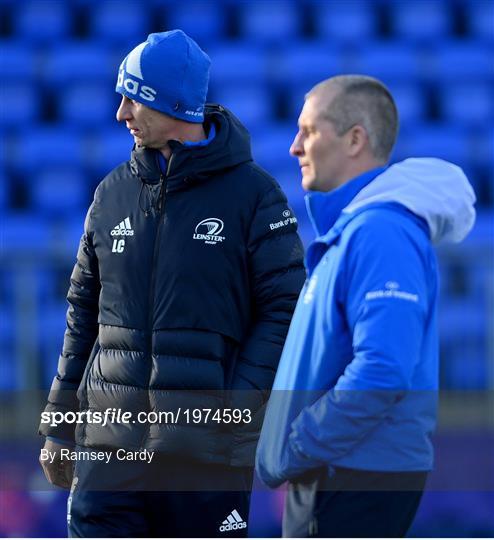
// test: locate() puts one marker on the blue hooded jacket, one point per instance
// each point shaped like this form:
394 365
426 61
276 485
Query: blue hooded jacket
358 378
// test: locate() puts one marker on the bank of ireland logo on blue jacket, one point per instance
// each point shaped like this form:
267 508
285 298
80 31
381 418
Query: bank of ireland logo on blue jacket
208 230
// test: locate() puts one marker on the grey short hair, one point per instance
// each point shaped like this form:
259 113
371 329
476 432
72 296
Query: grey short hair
364 101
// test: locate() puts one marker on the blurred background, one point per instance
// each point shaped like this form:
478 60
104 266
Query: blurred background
59 138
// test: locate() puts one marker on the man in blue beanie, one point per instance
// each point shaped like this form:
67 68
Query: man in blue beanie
180 302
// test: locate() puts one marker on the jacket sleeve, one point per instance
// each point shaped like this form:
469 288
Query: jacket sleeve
385 298
79 339
277 274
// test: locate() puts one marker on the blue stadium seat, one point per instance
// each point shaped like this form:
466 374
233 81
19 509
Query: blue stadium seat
271 143
24 232
482 154
468 103
480 17
302 66
21 104
421 21
8 365
43 144
67 234
80 61
59 191
42 285
4 191
290 178
238 62
461 317
251 103
108 148
459 61
463 367
410 101
441 140
276 20
4 145
18 61
307 63
345 21
124 22
88 104
201 19
42 21
390 61
482 233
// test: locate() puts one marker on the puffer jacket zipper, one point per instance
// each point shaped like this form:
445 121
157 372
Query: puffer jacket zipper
161 211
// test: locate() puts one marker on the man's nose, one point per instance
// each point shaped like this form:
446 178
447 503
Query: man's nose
296 149
123 111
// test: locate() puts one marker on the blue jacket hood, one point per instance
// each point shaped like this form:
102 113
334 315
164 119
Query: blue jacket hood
434 189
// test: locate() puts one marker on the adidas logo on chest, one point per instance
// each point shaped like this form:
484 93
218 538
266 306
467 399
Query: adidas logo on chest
124 228
233 522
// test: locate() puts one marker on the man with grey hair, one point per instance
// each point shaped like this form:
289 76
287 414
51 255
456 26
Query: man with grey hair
353 406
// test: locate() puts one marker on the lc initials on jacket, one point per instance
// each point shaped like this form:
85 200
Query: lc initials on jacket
181 296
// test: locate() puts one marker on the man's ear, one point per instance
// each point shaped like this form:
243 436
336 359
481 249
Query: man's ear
357 140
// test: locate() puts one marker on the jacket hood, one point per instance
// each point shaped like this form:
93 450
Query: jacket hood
434 189
230 147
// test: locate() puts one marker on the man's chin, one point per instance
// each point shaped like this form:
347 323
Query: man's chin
308 183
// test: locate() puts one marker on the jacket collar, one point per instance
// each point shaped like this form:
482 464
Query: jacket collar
324 209
189 164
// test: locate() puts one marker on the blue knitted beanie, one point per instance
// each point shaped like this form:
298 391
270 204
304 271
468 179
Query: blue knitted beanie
168 72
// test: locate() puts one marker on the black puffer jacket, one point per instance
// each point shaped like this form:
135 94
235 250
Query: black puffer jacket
183 290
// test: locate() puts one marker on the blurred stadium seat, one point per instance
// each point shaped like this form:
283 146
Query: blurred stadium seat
480 17
238 62
43 21
79 61
438 140
4 195
302 65
85 104
203 20
8 366
66 233
307 63
429 20
21 104
458 61
343 21
389 61
59 191
18 61
107 148
480 99
24 233
119 22
482 154
270 145
289 178
411 101
273 21
46 144
253 103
